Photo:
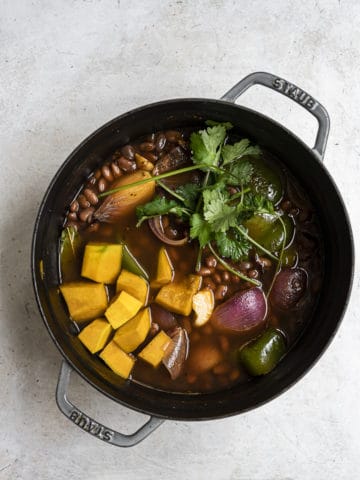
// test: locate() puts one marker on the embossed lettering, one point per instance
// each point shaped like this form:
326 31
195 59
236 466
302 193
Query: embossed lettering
90 426
108 435
74 415
310 103
294 92
278 83
82 422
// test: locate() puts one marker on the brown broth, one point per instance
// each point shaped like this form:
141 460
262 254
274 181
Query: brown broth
205 340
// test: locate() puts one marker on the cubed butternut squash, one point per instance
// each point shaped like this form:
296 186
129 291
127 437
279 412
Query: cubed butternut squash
95 335
134 332
122 309
177 297
84 300
154 351
165 270
102 262
136 286
120 362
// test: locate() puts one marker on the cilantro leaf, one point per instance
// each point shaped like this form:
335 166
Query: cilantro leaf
239 173
216 211
200 229
159 206
206 145
189 192
231 245
235 152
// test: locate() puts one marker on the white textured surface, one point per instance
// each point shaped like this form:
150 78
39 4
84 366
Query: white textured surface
66 67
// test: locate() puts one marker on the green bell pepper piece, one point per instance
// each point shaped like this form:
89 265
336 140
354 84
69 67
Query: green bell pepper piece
267 230
130 263
263 354
265 180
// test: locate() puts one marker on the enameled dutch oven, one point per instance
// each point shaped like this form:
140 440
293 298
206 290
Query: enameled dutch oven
305 164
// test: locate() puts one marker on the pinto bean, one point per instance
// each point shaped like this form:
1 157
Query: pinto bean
128 151
220 292
102 184
86 214
97 174
160 142
253 273
225 277
83 202
173 136
147 146
221 267
209 284
264 262
217 278
211 261
245 265
105 170
126 164
235 278
74 207
72 216
115 169
90 196
205 271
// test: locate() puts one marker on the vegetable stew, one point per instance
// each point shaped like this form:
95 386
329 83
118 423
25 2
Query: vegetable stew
190 260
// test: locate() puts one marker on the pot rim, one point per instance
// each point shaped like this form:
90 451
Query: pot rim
307 365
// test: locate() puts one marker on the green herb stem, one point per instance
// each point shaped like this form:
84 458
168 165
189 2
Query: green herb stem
152 179
171 192
198 259
239 195
232 270
260 247
279 264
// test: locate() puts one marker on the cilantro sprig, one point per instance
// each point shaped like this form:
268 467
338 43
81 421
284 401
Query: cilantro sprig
215 213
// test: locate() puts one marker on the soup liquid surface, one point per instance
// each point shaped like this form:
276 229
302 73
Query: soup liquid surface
206 342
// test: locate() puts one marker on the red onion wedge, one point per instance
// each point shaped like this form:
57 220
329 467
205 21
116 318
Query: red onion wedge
245 310
289 287
177 352
155 224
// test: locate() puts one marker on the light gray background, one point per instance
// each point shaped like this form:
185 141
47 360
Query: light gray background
66 67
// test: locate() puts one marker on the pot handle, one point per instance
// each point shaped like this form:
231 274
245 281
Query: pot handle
91 426
294 93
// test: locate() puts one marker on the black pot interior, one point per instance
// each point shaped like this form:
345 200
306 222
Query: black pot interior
305 167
